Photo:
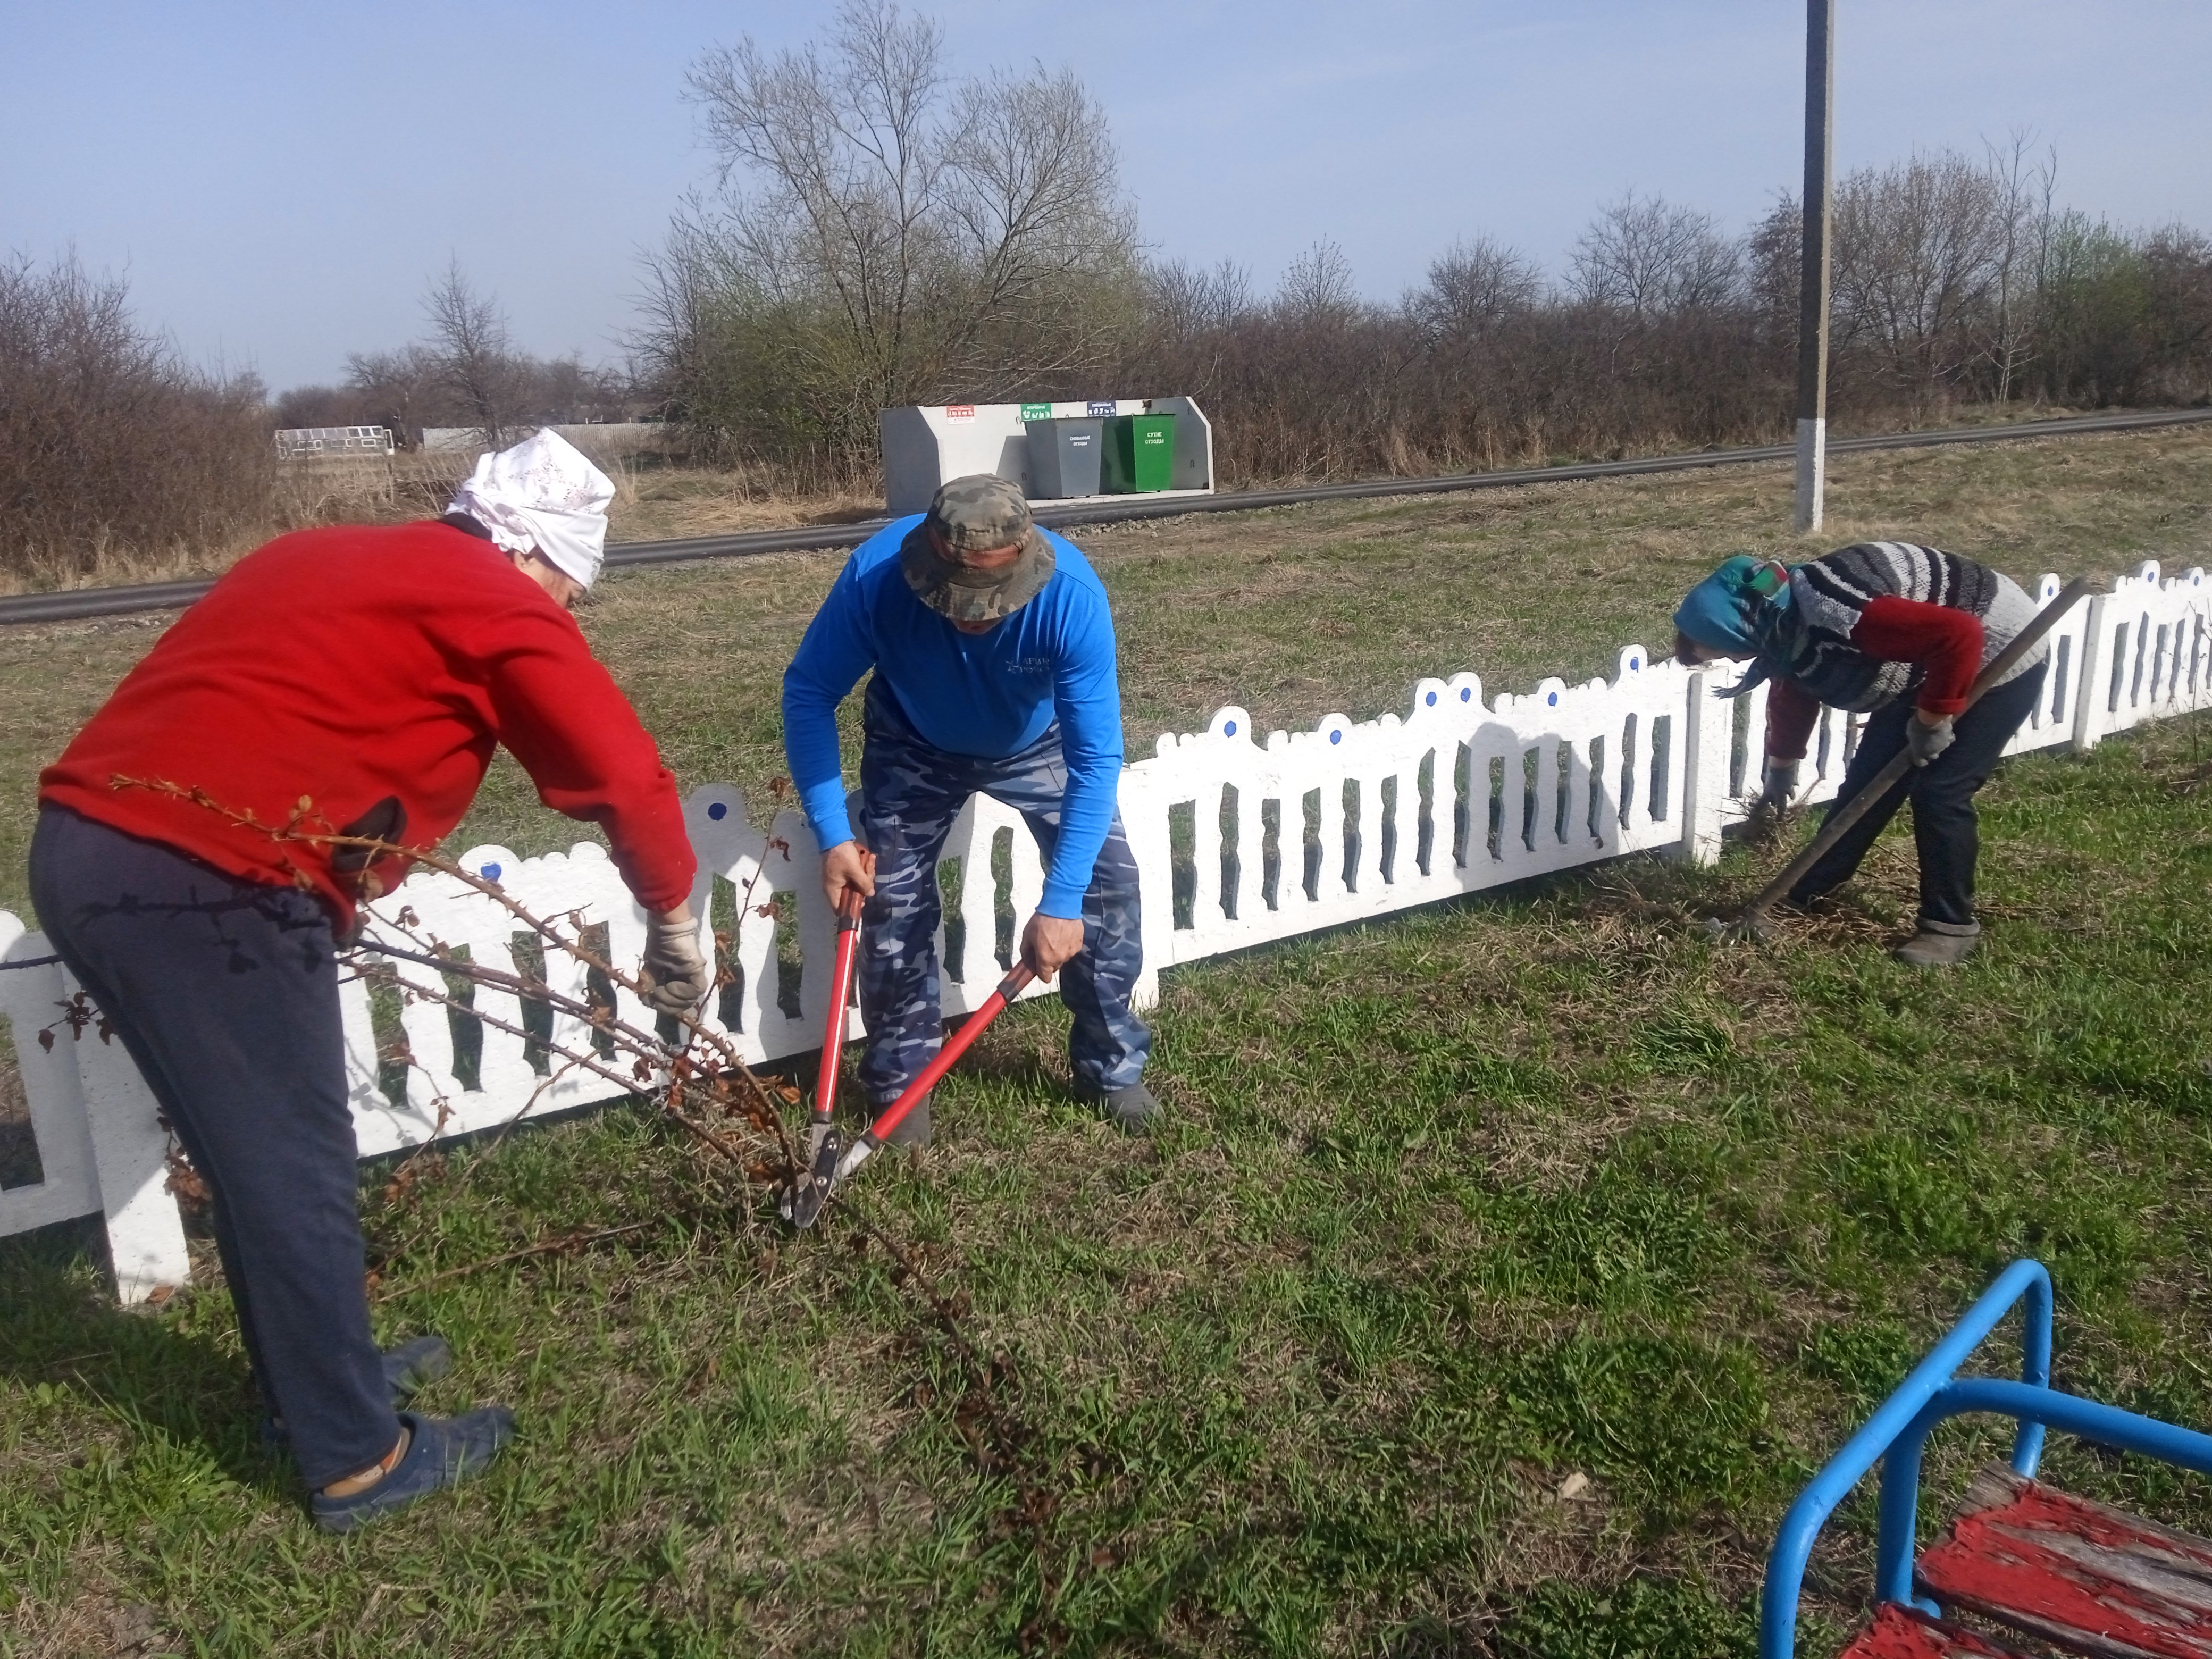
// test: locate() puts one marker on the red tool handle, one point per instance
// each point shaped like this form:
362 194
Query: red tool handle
955 1046
841 991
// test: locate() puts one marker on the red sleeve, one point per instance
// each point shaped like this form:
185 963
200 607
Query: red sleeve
1790 712
1945 641
560 713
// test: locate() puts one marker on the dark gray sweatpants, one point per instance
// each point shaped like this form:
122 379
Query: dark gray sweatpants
225 993
1945 830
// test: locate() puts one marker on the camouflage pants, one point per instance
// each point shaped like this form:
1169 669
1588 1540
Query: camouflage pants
910 792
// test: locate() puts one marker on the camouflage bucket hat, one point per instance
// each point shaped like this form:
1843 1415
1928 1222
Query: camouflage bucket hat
977 514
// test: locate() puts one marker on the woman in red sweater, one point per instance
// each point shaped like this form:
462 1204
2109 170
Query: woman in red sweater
1899 631
372 671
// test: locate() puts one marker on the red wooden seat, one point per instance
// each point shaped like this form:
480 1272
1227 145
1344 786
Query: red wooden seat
2085 1578
1896 1633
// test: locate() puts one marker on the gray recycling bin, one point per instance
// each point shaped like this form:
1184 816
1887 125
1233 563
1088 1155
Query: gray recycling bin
1064 456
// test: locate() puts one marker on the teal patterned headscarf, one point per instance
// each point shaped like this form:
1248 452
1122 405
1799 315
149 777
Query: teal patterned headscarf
1734 612
1720 611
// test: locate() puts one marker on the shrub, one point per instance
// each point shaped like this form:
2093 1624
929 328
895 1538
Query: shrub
109 440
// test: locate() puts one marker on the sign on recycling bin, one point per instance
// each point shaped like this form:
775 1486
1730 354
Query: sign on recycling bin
1036 411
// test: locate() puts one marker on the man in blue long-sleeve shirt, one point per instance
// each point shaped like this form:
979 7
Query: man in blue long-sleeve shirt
993 649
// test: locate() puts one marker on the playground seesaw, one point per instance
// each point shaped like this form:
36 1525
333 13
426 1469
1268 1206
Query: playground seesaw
2022 1561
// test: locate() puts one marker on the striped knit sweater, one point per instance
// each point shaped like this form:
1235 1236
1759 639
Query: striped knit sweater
1829 596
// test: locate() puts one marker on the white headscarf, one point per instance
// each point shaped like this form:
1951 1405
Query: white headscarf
542 495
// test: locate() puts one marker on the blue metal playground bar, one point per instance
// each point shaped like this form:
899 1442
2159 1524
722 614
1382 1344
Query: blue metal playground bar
1896 1433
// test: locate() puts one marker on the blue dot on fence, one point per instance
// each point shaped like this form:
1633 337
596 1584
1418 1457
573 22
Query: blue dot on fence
1553 700
1467 693
719 811
1433 700
1336 737
489 872
1229 728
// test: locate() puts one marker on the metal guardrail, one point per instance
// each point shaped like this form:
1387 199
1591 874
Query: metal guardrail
77 603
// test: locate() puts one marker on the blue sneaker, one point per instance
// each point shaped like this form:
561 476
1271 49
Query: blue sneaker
441 1452
412 1365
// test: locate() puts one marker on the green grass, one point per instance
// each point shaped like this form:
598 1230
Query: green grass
1446 1211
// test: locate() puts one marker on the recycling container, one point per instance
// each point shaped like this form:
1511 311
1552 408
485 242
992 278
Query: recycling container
1064 457
1139 454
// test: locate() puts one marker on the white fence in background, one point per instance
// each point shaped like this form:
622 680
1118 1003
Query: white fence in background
1238 842
297 443
600 439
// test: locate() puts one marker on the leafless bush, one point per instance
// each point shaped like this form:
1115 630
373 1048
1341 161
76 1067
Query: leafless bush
109 440
1917 250
1957 282
1480 365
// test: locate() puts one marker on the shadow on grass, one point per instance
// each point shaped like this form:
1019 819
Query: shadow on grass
168 1375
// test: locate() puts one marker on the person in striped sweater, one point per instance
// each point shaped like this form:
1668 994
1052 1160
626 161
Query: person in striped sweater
1899 632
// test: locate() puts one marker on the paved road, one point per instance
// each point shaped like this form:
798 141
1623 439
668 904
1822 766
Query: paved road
1120 509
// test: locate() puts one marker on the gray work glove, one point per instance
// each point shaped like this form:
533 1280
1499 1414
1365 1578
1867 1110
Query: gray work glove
1778 788
674 975
1924 741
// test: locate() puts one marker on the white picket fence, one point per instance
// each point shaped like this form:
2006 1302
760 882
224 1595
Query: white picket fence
1237 843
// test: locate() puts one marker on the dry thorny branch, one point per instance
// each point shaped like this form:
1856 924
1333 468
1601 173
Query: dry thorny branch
699 1082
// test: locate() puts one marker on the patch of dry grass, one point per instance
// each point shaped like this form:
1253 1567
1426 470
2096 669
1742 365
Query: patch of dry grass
1293 612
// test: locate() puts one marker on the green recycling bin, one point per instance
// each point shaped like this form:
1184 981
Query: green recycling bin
1139 454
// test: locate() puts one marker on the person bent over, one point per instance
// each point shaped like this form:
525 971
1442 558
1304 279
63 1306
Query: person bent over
368 672
1900 632
993 653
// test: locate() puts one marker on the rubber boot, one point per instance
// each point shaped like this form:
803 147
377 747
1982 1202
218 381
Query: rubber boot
1940 943
912 1131
1132 1111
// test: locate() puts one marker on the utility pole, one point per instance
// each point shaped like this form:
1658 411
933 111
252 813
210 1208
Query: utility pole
1812 278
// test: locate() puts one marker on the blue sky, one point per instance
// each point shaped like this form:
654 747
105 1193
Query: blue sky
280 180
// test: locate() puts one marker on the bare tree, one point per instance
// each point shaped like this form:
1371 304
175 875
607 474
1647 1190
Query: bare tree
1473 288
1032 186
473 350
1182 300
1318 285
2021 204
1773 267
1917 246
1649 258
402 389
882 234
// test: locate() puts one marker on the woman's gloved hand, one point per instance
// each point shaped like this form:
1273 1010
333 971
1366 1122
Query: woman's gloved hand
1926 738
1778 787
675 976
